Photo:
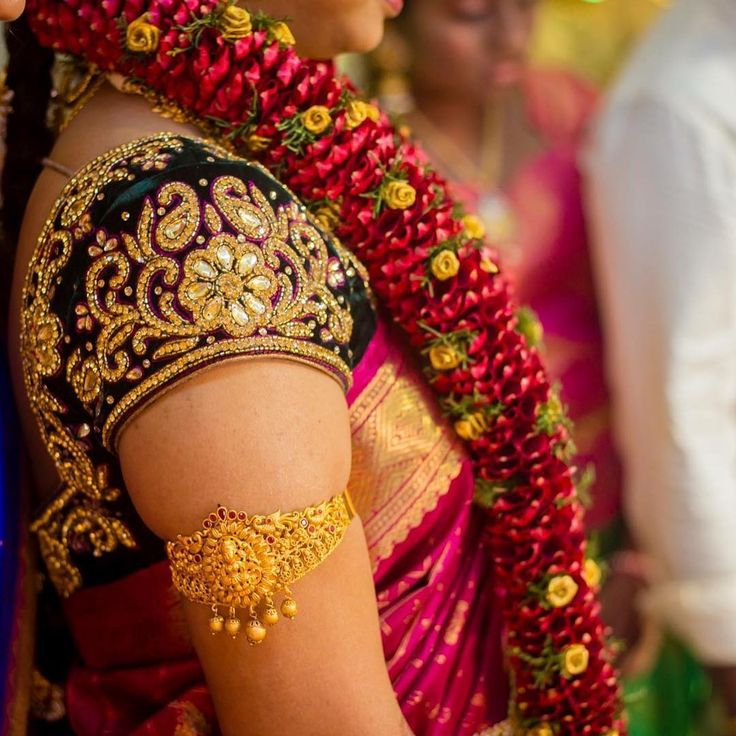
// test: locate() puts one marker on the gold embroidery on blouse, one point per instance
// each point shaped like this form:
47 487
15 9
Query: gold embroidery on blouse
269 296
233 283
86 186
41 334
404 460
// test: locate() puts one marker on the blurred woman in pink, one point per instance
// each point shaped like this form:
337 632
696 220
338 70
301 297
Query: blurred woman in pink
507 135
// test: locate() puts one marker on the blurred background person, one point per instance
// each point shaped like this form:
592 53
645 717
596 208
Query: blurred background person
663 201
508 132
507 136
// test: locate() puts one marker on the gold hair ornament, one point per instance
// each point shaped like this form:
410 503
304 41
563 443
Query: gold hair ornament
242 561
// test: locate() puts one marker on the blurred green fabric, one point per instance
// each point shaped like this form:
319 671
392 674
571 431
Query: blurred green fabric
675 699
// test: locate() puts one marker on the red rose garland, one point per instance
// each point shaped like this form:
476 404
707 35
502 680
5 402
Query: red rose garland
239 77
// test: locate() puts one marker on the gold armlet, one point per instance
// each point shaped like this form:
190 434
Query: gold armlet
242 561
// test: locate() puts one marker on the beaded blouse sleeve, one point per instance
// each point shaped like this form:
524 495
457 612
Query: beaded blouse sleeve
168 255
161 258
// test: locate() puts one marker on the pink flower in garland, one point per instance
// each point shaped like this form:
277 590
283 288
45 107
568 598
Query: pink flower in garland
243 80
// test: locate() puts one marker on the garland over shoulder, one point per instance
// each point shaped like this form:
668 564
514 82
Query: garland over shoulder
239 77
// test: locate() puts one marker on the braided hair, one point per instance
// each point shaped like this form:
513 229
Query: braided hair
28 136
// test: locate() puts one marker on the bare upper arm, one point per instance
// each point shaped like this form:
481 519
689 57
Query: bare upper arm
261 436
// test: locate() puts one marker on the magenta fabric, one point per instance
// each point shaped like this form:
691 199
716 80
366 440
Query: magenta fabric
440 623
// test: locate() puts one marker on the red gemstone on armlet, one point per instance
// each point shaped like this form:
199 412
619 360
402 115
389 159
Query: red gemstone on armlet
232 515
221 512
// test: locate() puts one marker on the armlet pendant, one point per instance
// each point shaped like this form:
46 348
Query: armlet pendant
243 561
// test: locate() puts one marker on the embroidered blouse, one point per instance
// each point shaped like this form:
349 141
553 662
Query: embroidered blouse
162 257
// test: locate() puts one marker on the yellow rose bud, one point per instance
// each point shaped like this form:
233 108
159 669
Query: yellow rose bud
257 143
445 265
317 119
575 659
235 23
543 729
555 408
282 33
529 325
399 195
488 266
327 218
142 37
471 427
561 590
443 358
464 429
355 113
592 573
373 112
473 227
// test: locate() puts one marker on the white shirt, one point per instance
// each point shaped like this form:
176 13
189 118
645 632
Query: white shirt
662 195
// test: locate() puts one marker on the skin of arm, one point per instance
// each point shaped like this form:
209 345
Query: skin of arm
261 436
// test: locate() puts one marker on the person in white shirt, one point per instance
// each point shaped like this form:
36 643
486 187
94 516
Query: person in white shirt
662 196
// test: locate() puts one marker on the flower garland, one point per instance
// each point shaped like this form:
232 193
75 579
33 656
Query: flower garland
239 76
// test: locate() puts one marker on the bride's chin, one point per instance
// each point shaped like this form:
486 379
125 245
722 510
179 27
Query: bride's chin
11 9
359 43
365 42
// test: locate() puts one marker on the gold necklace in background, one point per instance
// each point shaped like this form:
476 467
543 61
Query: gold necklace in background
484 176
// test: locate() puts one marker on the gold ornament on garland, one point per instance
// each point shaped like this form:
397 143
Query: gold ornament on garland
561 590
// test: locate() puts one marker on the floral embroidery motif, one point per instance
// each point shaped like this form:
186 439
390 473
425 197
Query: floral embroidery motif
187 278
84 377
43 343
228 286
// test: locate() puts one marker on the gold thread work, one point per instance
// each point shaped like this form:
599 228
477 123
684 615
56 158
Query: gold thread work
243 561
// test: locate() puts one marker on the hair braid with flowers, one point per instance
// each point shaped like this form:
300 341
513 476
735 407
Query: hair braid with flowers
239 76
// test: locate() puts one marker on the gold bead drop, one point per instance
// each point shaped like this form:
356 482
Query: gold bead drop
232 626
270 616
217 623
288 608
255 631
